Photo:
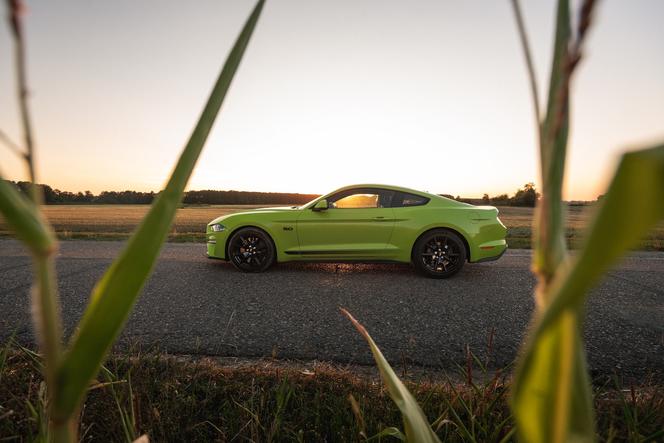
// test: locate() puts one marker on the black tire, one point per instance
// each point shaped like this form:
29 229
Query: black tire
251 250
439 253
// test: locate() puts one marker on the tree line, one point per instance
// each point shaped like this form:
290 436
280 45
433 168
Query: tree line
205 197
526 196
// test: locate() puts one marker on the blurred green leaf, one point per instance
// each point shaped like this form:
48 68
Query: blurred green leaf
26 220
24 217
416 425
552 399
115 294
631 207
549 235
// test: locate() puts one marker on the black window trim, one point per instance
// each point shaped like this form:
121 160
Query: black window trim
401 195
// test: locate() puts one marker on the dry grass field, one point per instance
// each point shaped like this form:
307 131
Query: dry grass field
107 222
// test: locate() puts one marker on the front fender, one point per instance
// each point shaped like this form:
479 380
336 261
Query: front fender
279 226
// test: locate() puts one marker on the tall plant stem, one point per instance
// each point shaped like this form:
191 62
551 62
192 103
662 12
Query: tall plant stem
45 301
15 10
46 315
63 432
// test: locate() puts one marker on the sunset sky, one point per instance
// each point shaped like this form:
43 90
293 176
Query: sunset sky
426 94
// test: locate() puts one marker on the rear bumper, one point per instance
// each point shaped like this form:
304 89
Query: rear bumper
493 257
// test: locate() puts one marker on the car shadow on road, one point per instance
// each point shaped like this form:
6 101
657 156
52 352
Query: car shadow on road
346 268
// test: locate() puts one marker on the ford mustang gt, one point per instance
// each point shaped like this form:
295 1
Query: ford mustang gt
363 223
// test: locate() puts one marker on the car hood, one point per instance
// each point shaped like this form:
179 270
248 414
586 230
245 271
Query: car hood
256 211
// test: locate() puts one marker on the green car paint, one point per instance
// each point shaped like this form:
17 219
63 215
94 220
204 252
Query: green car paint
305 233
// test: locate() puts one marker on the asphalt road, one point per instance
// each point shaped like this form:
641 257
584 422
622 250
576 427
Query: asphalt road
193 305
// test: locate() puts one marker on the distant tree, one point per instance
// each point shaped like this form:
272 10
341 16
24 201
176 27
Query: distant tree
485 198
502 200
526 197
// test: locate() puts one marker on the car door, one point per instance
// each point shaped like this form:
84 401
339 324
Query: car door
357 224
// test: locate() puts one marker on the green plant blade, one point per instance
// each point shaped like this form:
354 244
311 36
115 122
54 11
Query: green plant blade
26 220
416 425
630 208
552 401
549 235
115 294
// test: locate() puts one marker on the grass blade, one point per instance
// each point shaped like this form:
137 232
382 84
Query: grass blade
416 425
114 296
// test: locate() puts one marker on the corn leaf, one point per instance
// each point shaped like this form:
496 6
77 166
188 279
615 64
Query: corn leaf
26 220
631 207
416 425
552 399
115 294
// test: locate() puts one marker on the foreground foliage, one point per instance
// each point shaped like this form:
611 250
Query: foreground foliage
174 399
552 396
69 368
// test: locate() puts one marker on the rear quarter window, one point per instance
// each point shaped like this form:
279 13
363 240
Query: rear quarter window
404 199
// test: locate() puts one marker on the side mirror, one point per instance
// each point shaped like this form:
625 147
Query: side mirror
321 205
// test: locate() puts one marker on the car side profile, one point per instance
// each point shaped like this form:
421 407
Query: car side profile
362 223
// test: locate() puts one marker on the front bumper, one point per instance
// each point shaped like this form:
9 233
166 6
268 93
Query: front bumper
216 242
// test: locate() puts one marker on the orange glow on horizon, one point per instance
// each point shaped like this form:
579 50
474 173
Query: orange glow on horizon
393 99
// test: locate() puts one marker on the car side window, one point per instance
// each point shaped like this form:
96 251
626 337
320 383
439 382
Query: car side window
361 198
403 199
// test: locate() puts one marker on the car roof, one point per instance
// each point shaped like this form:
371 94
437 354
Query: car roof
381 186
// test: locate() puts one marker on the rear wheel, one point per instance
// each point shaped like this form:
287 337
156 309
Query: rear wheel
251 250
439 254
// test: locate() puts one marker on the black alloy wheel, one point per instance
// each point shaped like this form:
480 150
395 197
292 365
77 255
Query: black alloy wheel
439 254
251 250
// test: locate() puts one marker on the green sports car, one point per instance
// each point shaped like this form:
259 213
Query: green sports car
363 223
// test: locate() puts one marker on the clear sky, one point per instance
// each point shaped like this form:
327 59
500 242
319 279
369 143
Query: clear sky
427 94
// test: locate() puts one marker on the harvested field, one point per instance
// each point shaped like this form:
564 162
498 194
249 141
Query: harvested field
108 222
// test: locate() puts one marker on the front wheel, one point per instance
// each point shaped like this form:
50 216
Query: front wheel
251 250
439 254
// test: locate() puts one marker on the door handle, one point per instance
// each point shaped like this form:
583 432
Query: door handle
379 218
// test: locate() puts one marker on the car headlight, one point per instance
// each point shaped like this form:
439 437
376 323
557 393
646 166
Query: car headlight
218 228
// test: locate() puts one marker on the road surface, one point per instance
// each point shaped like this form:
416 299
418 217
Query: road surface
193 305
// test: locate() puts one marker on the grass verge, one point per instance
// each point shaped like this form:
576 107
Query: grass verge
182 399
